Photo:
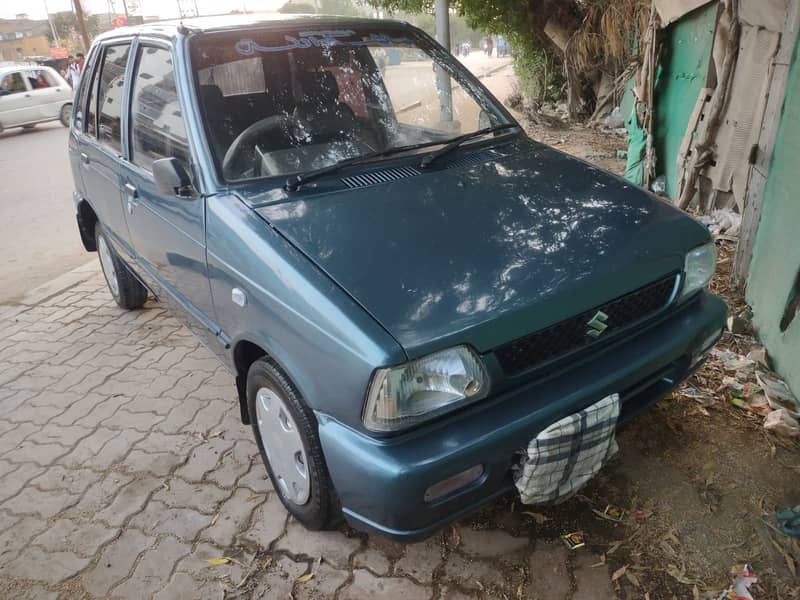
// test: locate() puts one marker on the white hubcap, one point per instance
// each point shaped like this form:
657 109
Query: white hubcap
107 262
283 446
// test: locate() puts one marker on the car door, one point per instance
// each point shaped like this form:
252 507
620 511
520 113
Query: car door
100 145
78 130
47 93
16 107
167 231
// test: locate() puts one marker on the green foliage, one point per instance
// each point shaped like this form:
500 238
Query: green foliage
460 31
66 25
540 76
345 8
504 16
297 8
340 7
539 70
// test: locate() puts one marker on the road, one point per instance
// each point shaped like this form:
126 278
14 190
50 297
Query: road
39 238
408 80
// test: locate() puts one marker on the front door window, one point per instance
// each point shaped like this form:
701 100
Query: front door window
157 127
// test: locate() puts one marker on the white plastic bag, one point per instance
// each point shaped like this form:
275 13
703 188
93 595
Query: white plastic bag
781 422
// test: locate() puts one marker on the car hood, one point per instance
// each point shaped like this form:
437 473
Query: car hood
485 253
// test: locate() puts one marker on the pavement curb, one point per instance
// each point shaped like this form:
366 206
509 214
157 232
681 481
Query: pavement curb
59 284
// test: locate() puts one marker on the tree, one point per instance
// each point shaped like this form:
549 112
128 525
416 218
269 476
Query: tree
66 25
297 8
588 37
326 7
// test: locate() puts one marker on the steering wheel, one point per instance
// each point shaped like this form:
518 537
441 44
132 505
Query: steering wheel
282 125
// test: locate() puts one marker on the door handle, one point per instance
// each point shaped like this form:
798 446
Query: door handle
132 194
84 158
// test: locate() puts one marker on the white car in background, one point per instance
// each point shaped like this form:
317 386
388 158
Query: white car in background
31 95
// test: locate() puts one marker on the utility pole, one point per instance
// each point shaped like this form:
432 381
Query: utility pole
56 39
81 24
442 8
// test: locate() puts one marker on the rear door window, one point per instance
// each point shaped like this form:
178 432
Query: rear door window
13 83
91 106
157 127
110 94
40 79
80 95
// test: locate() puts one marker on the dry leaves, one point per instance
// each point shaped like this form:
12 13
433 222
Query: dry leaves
538 517
619 573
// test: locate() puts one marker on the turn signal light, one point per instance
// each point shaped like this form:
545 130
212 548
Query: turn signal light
451 484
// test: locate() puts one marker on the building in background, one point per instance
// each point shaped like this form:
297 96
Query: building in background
22 37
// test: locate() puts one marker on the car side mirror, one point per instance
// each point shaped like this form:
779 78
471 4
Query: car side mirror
172 178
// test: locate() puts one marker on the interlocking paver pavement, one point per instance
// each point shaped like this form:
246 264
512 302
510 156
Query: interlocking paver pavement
124 469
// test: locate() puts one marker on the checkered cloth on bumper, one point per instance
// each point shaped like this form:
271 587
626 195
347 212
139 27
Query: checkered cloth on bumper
563 457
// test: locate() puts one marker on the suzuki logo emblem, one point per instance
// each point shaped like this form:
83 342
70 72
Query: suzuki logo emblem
597 325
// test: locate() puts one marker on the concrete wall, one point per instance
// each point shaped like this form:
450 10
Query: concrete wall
776 254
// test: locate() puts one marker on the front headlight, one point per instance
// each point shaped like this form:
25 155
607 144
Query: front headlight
400 397
699 268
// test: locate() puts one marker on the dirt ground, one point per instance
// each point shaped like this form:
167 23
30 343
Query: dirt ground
700 483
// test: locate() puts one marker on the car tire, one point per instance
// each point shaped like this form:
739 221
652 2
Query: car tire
128 292
65 115
289 428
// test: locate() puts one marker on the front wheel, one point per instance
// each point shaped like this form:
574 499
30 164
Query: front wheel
65 114
127 291
286 432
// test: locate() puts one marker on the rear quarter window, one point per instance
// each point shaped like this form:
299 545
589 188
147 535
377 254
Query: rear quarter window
83 91
110 95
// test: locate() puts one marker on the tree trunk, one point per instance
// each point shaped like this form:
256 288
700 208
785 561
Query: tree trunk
555 21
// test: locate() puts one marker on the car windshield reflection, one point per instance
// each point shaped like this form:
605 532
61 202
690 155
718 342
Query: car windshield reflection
277 103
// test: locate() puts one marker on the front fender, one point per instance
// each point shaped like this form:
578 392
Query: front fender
325 342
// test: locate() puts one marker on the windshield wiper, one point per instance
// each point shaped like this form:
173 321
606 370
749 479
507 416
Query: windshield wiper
456 142
293 184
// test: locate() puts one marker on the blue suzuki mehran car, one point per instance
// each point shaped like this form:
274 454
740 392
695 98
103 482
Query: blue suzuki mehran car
410 293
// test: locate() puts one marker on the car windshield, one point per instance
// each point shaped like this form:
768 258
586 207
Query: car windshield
283 102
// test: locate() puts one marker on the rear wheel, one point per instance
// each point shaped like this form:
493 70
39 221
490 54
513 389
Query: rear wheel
127 291
286 432
65 114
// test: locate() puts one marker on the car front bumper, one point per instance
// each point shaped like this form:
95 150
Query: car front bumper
381 483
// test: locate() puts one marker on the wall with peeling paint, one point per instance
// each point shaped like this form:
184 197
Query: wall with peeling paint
776 254
684 65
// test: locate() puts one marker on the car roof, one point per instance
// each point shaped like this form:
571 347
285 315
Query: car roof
19 67
172 28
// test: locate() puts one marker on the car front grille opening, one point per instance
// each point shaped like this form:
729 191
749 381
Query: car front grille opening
587 328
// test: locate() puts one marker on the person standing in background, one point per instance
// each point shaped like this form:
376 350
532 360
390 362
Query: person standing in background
67 72
75 69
